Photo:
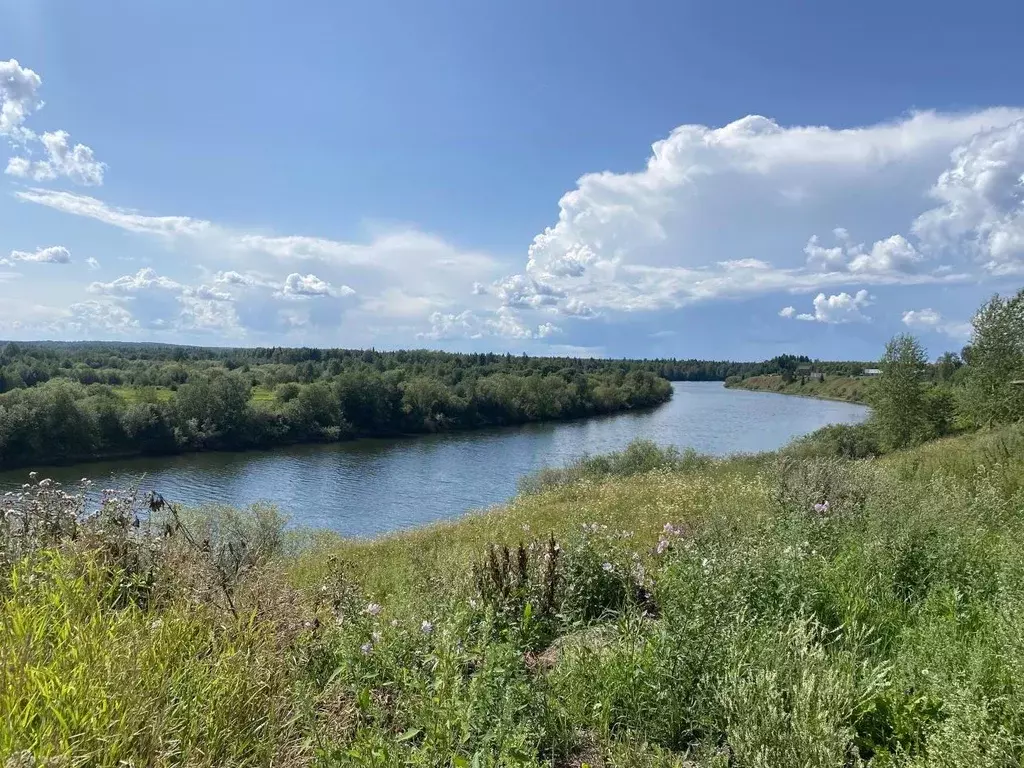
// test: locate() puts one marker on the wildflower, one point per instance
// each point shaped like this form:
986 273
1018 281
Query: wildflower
376 636
662 546
373 609
607 567
822 508
472 603
526 527
366 648
394 622
426 627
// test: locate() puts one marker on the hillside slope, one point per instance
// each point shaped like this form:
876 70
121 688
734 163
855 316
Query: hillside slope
664 610
851 389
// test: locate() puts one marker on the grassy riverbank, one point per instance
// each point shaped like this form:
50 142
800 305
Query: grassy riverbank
850 389
665 610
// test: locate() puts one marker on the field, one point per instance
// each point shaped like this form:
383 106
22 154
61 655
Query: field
852 389
665 610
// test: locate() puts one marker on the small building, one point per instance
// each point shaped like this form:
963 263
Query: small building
872 371
816 376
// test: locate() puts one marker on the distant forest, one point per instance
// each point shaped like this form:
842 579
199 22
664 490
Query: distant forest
64 402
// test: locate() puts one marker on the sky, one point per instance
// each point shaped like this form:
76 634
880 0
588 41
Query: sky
626 179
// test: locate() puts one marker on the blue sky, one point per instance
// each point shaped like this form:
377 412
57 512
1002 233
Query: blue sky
626 179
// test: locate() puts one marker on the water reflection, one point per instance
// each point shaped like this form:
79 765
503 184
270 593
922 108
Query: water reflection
368 487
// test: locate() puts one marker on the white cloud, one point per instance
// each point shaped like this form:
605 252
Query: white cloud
522 291
19 98
501 323
931 320
124 218
922 318
835 309
981 200
231 277
713 214
146 279
55 254
76 163
92 262
19 166
98 317
306 286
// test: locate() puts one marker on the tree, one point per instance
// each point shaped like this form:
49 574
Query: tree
900 405
996 359
947 365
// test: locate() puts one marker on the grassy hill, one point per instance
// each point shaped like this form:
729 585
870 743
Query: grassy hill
664 610
851 389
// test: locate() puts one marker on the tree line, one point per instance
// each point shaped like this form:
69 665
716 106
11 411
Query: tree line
230 402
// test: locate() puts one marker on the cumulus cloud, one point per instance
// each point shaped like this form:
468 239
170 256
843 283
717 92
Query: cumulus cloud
55 254
91 317
146 279
835 309
92 262
931 320
76 163
306 286
501 323
522 291
981 201
747 209
19 98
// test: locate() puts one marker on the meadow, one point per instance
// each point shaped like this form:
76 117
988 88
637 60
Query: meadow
649 608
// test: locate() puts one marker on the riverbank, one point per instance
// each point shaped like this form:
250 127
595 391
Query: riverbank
664 609
847 389
371 486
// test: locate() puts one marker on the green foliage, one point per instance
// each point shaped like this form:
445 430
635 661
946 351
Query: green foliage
848 441
995 359
899 397
636 458
699 614
207 402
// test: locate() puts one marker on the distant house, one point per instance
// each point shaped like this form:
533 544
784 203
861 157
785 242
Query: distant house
872 371
816 376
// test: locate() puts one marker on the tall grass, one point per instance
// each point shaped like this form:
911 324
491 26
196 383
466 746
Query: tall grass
647 609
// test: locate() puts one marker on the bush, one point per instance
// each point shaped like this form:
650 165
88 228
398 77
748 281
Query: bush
638 457
848 441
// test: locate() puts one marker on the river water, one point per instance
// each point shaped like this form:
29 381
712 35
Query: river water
368 487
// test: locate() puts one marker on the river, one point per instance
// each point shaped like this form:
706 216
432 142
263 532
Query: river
369 487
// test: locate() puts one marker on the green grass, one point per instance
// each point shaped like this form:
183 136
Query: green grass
887 630
853 389
262 395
